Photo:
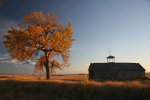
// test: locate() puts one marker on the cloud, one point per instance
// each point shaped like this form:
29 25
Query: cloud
3 58
6 55
5 25
13 61
32 62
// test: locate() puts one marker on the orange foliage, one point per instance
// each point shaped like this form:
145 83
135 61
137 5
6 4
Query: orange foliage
1 2
41 36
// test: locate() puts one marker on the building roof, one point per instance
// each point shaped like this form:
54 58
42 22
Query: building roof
111 57
116 67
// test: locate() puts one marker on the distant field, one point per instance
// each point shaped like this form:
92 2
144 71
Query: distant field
74 77
70 87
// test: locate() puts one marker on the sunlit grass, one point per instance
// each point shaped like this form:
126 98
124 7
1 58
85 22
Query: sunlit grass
126 84
65 89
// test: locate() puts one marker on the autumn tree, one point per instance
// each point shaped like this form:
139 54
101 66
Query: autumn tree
41 37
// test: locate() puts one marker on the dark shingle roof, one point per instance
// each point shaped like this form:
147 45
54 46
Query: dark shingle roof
111 57
116 67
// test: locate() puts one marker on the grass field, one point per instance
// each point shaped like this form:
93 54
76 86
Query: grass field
70 87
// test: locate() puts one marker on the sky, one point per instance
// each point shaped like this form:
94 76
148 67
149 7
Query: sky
123 26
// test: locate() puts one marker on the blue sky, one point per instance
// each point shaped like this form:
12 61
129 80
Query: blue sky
99 25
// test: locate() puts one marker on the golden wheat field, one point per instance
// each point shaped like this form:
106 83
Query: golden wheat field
70 87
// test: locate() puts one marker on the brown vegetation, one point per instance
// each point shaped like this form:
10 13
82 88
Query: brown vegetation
148 75
61 89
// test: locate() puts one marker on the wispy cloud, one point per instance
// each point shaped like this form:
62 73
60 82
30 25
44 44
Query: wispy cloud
3 58
32 62
13 61
6 55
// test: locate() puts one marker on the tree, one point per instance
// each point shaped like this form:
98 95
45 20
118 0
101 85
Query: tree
41 37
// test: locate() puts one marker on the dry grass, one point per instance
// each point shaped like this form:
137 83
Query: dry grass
42 77
148 75
71 87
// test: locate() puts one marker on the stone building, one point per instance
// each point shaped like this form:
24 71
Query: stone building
115 71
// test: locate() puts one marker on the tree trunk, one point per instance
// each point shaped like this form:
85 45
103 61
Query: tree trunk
47 72
47 67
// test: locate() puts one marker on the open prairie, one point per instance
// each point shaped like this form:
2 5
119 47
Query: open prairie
67 77
71 77
70 87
